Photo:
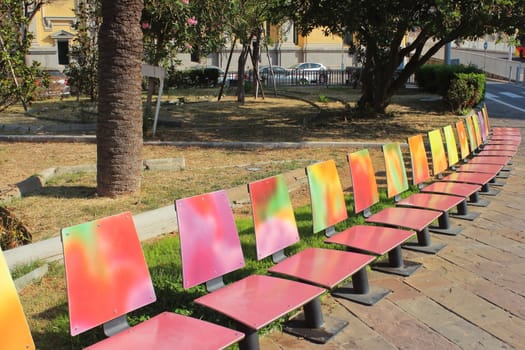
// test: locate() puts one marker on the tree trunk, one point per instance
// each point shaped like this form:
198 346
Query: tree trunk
241 64
119 122
377 80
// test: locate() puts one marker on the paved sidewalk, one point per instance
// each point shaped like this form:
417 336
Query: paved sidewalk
471 295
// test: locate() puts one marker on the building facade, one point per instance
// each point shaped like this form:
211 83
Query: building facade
287 47
52 28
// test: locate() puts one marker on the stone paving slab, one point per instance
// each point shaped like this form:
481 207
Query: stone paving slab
455 328
471 295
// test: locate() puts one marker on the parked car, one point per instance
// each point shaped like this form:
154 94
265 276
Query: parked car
281 75
309 72
53 83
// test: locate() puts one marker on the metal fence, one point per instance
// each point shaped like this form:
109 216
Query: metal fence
494 66
329 77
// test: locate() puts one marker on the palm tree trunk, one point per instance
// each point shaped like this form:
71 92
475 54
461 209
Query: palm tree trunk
119 122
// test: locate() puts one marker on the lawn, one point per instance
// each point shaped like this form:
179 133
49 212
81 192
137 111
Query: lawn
71 199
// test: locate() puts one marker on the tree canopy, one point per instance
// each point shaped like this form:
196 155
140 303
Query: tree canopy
378 30
17 81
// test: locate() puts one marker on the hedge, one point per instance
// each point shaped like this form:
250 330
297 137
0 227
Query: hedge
461 86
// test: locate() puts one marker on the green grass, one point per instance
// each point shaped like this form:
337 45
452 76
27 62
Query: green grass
163 259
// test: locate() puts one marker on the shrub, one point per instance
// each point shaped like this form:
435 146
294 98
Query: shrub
436 78
461 86
195 77
465 91
12 231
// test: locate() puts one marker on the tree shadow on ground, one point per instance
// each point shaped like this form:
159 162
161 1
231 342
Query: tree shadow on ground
66 192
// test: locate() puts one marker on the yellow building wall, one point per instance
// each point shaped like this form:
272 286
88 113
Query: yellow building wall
317 36
52 17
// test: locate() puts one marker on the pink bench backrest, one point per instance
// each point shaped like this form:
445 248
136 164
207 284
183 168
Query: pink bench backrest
106 272
209 242
364 182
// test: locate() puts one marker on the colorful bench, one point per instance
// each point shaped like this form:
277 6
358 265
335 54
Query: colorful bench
421 178
211 248
475 144
366 194
440 166
276 229
465 166
14 330
397 183
107 277
500 134
510 140
329 209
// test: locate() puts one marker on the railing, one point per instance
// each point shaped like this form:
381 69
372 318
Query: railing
329 77
497 67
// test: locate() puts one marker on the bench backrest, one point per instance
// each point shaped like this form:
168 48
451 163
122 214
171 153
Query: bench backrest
364 182
439 158
485 113
396 175
209 242
463 139
483 126
326 195
273 217
106 272
470 134
418 160
14 330
477 129
452 146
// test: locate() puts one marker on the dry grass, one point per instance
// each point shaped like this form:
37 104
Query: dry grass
72 199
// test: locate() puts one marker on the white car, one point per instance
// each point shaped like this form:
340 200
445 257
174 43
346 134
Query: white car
309 72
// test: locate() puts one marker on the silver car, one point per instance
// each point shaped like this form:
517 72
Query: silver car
280 75
309 72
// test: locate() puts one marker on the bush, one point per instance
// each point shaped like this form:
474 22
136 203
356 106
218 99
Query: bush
436 78
465 91
461 86
195 77
13 232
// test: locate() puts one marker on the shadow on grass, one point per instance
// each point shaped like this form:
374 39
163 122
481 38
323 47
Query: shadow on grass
66 192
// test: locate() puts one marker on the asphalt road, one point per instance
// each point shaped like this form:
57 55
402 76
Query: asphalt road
505 100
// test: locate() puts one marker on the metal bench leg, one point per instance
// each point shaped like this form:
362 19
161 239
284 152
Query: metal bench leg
360 291
444 226
476 201
424 243
487 191
250 340
463 213
396 265
311 324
